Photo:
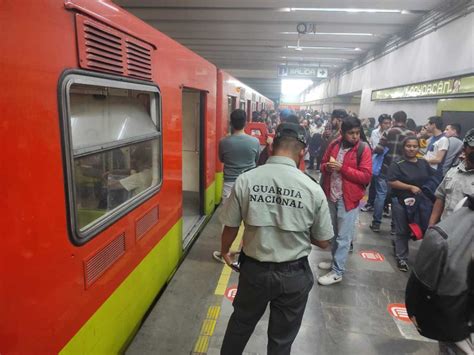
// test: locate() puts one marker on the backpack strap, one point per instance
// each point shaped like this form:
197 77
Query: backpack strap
360 151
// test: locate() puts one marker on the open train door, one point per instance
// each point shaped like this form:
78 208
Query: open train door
193 106
459 111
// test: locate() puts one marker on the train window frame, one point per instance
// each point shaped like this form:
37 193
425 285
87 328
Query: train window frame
78 235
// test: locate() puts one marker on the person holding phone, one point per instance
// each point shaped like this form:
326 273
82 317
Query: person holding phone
284 211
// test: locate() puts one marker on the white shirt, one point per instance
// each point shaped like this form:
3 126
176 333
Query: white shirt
439 145
375 137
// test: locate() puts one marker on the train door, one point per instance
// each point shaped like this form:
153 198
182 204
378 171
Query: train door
249 110
459 111
231 106
193 163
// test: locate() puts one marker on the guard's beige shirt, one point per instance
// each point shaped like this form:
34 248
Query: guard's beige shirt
282 209
457 183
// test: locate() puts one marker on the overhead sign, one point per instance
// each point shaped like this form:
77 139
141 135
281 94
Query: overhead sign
371 255
231 292
398 311
450 87
301 72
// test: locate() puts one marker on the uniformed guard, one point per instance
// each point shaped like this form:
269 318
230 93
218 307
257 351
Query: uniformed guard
284 212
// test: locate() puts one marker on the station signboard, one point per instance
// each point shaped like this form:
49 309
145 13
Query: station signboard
460 86
294 71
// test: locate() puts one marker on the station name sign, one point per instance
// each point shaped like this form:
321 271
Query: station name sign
294 71
450 87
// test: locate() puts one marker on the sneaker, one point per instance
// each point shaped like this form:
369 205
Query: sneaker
325 265
402 265
375 227
217 256
330 278
386 211
367 208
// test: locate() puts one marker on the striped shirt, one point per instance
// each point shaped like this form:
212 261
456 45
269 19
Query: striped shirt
393 139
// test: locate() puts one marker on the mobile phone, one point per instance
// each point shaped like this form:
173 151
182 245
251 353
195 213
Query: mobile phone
235 266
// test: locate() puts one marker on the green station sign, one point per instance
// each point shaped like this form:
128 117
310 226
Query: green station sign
450 87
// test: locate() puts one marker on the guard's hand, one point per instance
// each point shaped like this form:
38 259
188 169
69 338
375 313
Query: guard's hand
229 257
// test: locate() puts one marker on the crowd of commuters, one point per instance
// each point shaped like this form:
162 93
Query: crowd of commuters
422 172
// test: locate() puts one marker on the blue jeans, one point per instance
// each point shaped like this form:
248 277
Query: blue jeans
381 188
344 227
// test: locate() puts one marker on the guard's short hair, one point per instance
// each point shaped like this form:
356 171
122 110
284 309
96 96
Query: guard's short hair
288 144
400 117
238 118
350 123
437 121
457 127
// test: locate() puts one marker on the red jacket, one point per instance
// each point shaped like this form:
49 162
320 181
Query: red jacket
354 178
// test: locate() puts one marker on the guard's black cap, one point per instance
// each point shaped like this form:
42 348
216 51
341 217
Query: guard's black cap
291 130
469 138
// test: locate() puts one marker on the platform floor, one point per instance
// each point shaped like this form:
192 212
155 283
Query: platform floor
363 314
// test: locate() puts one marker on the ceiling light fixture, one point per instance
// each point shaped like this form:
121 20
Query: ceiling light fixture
349 10
298 48
332 33
315 58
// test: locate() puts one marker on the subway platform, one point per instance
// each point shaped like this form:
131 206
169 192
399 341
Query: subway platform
364 314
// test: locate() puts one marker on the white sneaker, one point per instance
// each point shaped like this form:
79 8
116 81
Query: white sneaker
325 265
329 279
217 256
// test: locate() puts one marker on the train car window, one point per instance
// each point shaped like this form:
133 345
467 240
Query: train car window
114 141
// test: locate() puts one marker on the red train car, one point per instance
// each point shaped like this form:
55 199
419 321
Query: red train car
109 136
233 94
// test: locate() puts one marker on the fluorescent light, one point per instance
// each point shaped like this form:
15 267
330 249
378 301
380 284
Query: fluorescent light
350 10
331 33
315 58
326 48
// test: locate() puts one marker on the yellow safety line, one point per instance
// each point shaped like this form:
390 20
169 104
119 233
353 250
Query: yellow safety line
227 271
209 324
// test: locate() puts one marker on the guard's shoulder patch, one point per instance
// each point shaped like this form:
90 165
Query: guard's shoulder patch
312 178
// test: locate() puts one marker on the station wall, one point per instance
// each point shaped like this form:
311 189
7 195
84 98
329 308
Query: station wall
445 52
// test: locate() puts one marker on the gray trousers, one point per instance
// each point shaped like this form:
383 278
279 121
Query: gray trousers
402 230
285 286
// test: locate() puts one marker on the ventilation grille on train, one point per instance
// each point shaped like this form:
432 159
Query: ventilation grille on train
104 259
144 224
105 49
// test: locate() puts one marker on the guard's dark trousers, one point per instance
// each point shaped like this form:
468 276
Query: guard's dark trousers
285 286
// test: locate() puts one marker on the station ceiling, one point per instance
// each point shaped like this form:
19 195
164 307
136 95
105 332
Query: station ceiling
251 38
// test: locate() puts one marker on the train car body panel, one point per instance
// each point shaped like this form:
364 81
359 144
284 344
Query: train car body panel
44 296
